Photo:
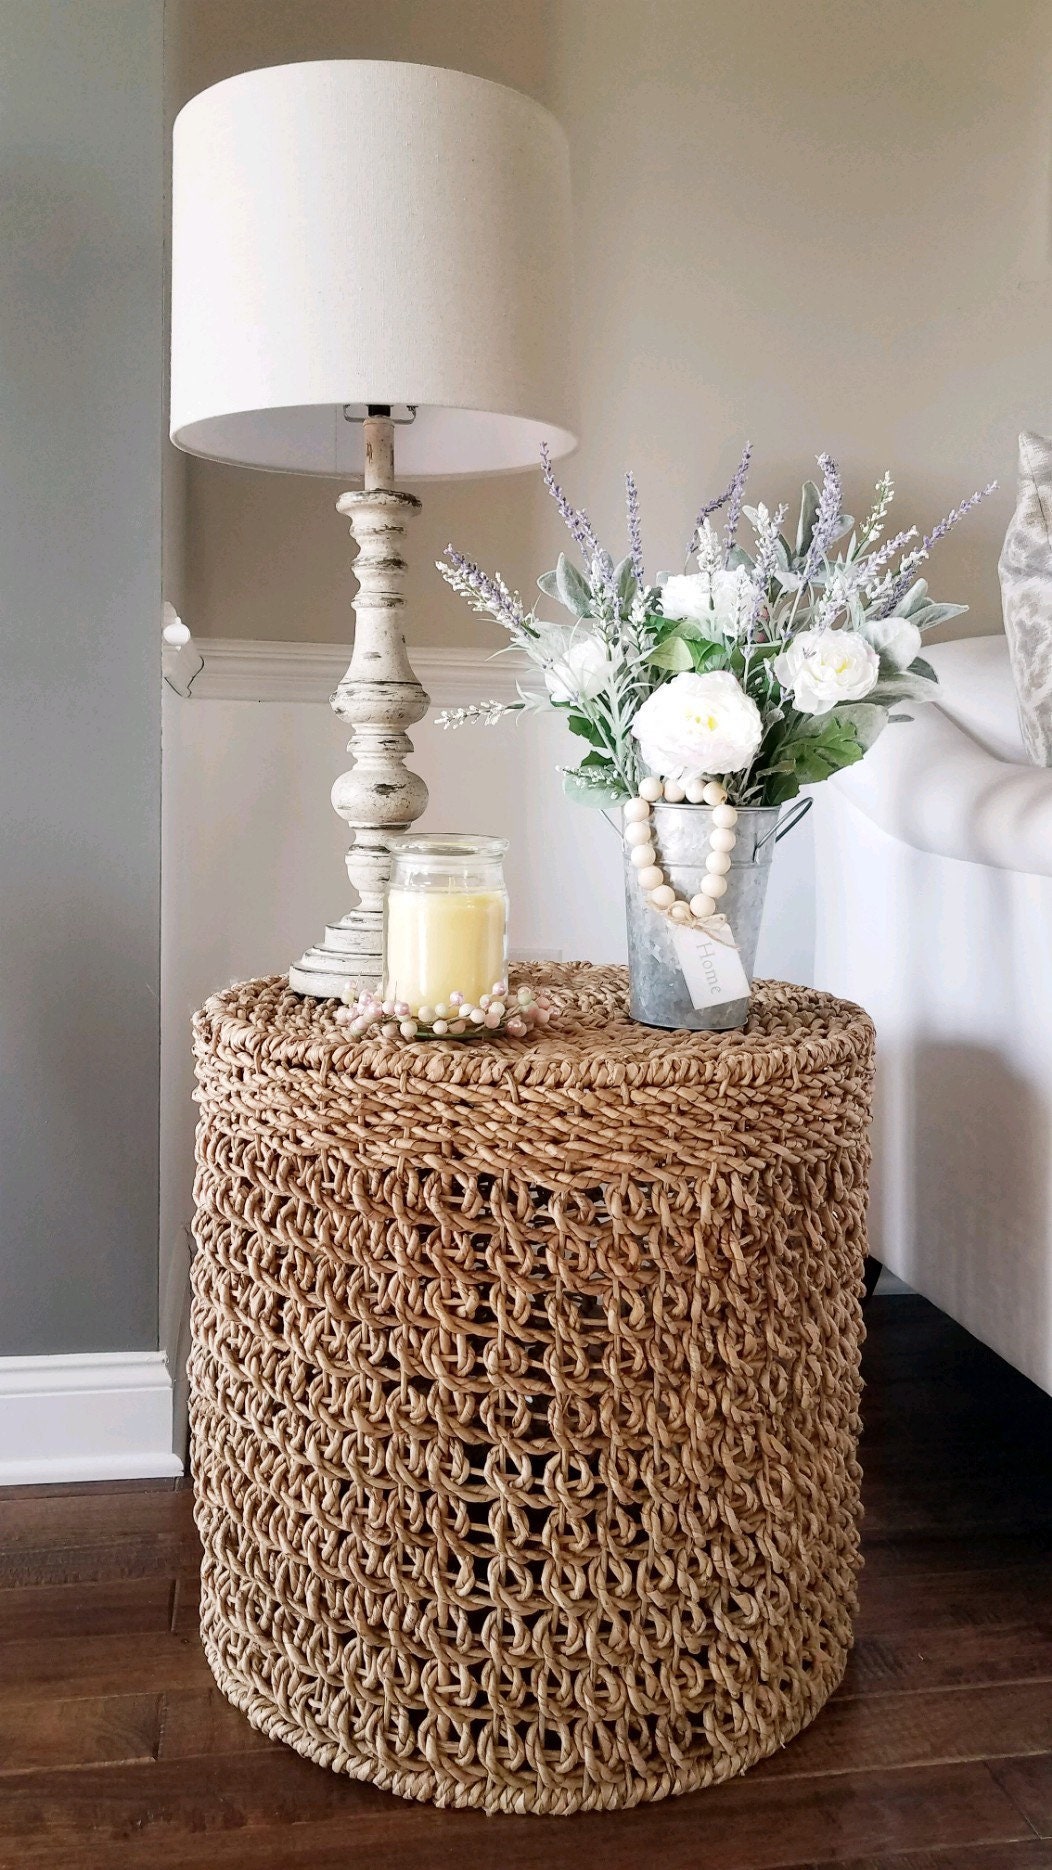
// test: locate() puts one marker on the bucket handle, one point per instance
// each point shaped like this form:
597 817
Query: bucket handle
785 825
781 829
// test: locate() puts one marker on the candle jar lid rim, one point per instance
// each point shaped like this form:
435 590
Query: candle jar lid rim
439 847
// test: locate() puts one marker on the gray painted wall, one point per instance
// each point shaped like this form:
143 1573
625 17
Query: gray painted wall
81 420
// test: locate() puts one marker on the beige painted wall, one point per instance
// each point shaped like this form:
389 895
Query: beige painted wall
81 211
818 223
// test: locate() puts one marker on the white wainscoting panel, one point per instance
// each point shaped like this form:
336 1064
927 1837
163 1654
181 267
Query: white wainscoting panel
90 1417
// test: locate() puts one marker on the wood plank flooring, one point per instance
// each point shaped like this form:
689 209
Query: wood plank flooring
118 1753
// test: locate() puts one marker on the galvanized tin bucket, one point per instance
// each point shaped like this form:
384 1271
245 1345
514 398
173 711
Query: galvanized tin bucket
659 995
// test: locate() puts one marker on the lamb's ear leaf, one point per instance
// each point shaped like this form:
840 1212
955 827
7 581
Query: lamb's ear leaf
808 514
571 589
905 685
924 669
914 598
548 582
626 583
929 616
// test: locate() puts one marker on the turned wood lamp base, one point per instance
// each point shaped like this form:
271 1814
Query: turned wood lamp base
378 698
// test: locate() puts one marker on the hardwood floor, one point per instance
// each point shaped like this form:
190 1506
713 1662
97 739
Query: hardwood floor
116 1750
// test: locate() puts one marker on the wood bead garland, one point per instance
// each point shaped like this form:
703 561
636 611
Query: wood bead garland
368 1015
639 837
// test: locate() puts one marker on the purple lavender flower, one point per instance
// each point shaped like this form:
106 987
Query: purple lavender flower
635 536
766 556
733 492
577 524
827 518
490 595
904 578
735 497
877 560
598 563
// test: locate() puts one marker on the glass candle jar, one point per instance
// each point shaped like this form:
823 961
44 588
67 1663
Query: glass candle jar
445 920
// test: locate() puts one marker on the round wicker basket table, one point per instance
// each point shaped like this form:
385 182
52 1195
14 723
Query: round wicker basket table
524 1389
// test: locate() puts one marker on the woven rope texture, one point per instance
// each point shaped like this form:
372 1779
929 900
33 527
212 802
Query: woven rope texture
525 1390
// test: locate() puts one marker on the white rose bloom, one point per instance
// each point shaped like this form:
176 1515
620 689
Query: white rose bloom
698 724
894 637
686 596
822 667
580 671
719 599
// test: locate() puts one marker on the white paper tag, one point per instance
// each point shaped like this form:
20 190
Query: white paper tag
712 966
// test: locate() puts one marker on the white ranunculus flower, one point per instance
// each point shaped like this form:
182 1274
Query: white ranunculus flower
698 724
581 668
822 667
894 637
719 599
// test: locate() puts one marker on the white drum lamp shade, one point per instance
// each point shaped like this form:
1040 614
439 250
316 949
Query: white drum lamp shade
352 232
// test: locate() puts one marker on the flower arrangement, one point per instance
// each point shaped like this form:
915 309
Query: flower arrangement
767 668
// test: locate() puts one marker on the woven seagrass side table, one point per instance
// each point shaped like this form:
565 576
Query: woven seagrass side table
525 1389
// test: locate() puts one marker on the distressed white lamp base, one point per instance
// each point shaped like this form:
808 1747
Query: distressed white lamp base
356 306
378 698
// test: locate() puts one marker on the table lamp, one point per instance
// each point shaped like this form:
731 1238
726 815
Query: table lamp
364 250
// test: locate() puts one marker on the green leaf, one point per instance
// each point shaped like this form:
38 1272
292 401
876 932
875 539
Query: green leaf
706 655
808 514
548 582
571 589
866 718
673 654
815 747
687 627
580 724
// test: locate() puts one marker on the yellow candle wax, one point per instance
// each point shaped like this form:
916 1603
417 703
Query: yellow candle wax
441 942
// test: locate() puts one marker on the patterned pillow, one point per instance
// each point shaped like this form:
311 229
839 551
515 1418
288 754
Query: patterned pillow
1026 594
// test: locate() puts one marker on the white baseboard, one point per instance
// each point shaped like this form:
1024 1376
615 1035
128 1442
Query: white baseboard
99 1416
175 1330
